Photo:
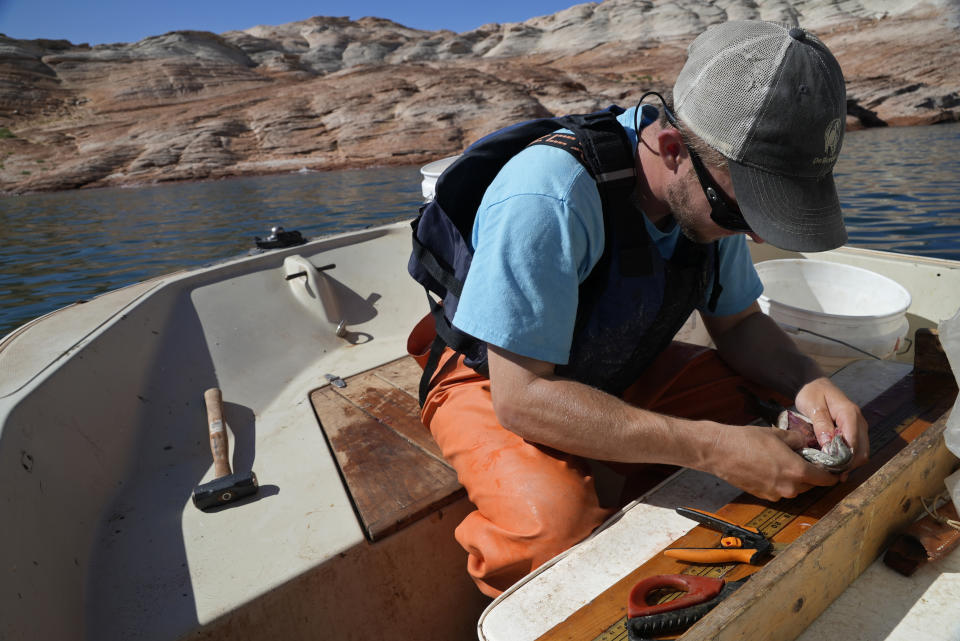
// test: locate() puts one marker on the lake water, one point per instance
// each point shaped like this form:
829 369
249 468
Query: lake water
900 188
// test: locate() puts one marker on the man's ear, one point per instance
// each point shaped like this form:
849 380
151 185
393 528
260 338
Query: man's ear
671 147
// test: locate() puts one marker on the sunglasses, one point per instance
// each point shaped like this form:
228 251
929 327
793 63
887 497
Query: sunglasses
721 211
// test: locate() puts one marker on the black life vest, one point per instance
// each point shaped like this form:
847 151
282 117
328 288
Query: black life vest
630 305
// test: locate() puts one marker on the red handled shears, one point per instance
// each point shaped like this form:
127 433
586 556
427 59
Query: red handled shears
701 594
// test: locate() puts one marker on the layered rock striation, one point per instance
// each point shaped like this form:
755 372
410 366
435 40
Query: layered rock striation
329 93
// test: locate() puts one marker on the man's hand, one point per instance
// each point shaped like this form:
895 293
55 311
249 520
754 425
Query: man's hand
763 462
829 409
756 347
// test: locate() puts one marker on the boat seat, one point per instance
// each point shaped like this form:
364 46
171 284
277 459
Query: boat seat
392 468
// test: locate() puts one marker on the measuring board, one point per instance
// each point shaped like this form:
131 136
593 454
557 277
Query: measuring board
896 417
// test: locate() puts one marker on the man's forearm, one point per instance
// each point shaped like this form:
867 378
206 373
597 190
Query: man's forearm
758 349
578 419
575 418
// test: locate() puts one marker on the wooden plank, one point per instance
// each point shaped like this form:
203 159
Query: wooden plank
390 405
898 416
404 373
392 482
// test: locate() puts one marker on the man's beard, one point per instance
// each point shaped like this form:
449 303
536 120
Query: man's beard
678 199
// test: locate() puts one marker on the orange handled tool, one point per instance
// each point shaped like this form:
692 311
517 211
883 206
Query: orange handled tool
713 555
738 543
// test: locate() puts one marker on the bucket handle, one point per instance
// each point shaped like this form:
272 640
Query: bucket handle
909 346
835 340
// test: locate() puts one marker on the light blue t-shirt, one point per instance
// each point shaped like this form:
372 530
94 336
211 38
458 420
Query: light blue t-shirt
537 234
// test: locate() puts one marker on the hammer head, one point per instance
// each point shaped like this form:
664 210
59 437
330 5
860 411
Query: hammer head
225 489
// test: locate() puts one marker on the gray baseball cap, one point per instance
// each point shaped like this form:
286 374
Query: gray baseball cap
771 98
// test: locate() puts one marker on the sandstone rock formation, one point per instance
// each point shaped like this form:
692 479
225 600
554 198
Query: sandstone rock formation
330 93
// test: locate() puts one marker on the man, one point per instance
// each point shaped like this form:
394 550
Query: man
750 150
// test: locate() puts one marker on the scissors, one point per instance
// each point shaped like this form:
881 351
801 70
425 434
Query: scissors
738 543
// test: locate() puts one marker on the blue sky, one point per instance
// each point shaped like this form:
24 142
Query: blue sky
107 21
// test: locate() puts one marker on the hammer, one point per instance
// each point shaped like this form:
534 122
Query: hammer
226 487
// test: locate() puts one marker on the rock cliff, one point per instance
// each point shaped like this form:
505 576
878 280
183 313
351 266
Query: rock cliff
330 93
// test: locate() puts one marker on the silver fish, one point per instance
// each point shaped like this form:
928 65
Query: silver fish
834 457
796 422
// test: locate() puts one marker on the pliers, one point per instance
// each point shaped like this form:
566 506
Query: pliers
738 543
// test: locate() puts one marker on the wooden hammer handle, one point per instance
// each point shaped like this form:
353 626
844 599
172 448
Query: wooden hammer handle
218 433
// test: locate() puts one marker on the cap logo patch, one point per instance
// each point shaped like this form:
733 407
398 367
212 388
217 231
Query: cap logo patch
831 143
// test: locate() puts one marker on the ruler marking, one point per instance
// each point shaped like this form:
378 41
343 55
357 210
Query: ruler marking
616 632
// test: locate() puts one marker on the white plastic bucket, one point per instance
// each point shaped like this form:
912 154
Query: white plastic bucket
840 303
430 173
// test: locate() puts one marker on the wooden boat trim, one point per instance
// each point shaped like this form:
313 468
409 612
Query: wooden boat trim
808 576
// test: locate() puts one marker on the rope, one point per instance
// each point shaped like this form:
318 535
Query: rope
939 500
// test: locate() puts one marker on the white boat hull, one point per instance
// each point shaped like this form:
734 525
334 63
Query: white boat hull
103 441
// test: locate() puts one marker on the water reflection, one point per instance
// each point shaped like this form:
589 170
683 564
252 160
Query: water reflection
898 186
62 247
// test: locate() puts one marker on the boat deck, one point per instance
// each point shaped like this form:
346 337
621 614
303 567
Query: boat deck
387 458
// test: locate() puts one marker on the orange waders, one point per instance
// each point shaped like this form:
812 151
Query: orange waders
534 502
